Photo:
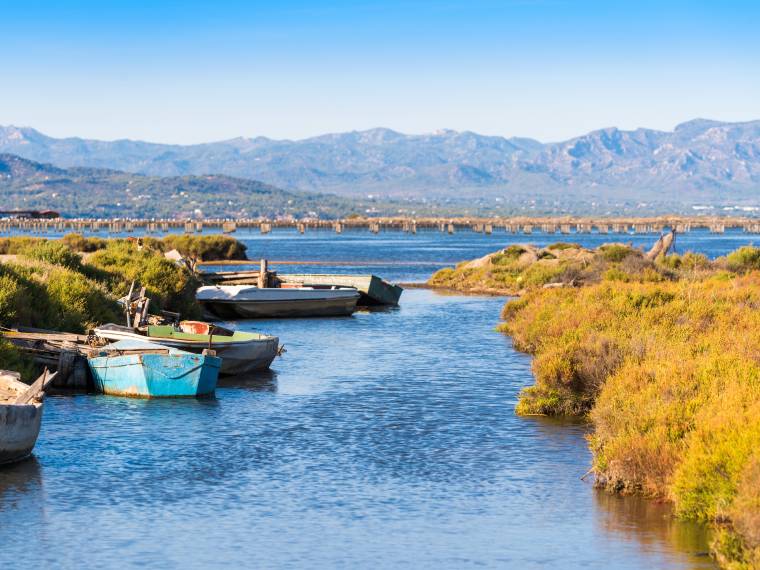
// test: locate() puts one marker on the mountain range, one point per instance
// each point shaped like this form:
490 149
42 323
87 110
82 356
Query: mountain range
699 162
104 193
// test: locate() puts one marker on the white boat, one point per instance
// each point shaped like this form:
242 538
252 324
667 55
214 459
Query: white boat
249 302
20 415
241 352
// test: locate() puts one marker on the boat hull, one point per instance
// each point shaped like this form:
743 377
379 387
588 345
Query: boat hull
19 429
338 307
374 290
246 302
155 375
238 357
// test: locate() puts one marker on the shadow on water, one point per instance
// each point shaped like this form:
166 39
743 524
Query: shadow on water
18 480
378 309
262 381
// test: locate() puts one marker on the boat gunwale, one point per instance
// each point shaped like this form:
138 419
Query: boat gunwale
201 342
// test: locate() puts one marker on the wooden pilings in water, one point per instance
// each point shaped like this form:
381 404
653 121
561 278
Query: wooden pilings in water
511 225
409 227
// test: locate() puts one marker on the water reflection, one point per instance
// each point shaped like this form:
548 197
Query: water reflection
653 527
17 480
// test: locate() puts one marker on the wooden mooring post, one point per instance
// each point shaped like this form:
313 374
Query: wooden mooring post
263 280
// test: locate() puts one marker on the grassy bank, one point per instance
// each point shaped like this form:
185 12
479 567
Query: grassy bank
50 284
662 356
520 268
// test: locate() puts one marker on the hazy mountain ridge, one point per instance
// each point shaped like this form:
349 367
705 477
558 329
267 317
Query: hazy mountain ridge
700 159
98 192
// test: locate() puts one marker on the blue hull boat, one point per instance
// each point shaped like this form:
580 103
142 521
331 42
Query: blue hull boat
148 370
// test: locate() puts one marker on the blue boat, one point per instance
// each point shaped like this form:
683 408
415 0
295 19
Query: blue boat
147 370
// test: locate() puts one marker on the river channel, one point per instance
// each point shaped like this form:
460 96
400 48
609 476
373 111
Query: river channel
383 440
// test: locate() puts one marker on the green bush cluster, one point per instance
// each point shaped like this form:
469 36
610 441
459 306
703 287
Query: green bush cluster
50 286
43 295
77 242
15 245
55 253
202 248
745 258
170 286
517 269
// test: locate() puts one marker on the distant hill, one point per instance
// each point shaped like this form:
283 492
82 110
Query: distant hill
25 184
700 161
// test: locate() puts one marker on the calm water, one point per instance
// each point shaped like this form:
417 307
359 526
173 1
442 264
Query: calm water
383 440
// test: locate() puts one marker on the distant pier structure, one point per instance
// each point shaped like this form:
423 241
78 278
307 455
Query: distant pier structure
45 221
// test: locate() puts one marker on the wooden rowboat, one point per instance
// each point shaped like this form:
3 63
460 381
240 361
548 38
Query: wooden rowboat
373 289
147 370
241 352
20 414
248 302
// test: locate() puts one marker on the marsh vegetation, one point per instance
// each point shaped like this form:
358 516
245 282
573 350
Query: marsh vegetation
663 358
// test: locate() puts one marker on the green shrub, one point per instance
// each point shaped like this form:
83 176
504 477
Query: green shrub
615 274
616 252
561 246
53 252
169 286
540 274
13 301
202 248
12 359
744 259
42 295
79 243
15 245
513 252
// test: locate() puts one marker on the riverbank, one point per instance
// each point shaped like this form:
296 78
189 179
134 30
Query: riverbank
662 357
72 284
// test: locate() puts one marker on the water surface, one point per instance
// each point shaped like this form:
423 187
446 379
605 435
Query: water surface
383 440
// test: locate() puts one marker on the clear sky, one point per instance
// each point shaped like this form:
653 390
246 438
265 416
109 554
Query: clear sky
193 71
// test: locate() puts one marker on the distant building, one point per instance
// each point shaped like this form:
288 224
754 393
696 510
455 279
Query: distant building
33 214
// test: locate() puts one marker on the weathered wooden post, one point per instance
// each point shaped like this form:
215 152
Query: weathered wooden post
263 280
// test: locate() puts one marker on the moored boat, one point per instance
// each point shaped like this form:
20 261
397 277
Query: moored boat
241 352
249 302
20 415
373 289
143 369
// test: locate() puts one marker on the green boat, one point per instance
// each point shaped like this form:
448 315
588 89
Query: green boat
241 352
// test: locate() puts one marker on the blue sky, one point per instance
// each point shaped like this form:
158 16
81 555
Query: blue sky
190 71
